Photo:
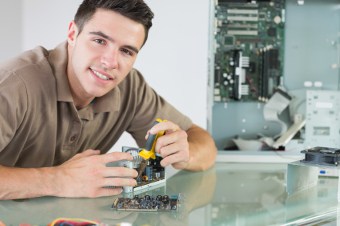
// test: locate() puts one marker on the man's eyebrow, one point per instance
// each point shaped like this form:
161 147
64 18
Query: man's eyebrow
99 33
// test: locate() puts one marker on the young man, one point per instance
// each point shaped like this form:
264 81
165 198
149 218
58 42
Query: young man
63 109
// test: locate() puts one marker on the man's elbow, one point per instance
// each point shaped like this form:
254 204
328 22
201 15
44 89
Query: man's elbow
210 158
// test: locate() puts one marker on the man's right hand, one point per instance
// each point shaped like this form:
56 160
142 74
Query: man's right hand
87 175
84 175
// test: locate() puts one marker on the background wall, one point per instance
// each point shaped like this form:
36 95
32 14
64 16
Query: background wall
10 28
174 60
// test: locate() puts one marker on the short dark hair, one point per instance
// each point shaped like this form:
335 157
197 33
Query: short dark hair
136 10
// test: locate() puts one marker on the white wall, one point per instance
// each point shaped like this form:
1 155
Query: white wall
174 60
10 28
45 22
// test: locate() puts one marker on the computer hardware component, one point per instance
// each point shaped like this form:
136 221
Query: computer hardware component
147 203
322 156
249 42
152 176
322 118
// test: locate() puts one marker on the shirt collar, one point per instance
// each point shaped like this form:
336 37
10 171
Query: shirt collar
58 57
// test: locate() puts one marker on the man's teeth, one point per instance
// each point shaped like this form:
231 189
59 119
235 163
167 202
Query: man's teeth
101 75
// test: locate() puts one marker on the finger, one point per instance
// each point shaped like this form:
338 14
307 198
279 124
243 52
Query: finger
90 152
173 154
179 138
119 172
167 126
168 160
118 182
109 191
165 141
168 150
116 156
174 161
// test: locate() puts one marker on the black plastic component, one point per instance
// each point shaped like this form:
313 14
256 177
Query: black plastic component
271 31
273 59
322 156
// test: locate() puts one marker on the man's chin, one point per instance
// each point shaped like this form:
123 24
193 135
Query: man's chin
103 93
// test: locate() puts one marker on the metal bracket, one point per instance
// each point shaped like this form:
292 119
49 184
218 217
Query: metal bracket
302 176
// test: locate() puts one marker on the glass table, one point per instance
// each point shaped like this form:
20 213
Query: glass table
228 194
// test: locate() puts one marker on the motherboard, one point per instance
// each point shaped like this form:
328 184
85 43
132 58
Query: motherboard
249 49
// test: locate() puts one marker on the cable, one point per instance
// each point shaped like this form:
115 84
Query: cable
73 222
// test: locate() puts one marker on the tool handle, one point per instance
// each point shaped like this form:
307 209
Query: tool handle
149 150
151 138
150 141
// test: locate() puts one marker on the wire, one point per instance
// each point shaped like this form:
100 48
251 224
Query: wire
73 222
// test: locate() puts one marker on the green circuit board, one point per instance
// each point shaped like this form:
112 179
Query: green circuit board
147 203
249 49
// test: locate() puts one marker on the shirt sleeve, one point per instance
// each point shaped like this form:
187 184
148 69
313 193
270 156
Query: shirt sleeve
13 99
150 106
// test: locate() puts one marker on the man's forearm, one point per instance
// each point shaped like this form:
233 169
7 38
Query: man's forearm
84 175
202 147
20 183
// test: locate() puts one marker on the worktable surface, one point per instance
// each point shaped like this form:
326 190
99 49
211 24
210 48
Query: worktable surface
228 194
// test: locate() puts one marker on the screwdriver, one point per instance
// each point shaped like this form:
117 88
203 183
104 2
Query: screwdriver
149 150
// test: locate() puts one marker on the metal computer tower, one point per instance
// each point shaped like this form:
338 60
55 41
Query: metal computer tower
258 48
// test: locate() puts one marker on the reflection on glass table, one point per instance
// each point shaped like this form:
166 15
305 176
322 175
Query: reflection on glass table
255 194
228 194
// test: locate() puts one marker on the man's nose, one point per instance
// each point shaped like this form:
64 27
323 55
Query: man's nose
110 59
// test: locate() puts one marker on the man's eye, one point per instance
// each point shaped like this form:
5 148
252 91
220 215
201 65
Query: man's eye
128 52
100 41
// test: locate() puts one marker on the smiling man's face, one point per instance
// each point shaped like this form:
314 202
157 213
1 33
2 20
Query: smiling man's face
102 54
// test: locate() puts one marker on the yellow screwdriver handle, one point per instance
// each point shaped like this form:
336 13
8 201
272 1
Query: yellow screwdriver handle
149 150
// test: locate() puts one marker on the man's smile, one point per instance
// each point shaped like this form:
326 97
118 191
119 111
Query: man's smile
101 75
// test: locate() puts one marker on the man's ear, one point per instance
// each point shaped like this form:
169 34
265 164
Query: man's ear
72 33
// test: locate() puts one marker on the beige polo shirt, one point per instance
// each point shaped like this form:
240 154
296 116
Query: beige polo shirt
40 125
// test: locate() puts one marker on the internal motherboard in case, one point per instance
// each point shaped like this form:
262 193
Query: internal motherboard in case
249 45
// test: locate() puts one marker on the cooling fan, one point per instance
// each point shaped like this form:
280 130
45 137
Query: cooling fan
322 156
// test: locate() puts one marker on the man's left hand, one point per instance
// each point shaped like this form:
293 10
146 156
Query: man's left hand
173 146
